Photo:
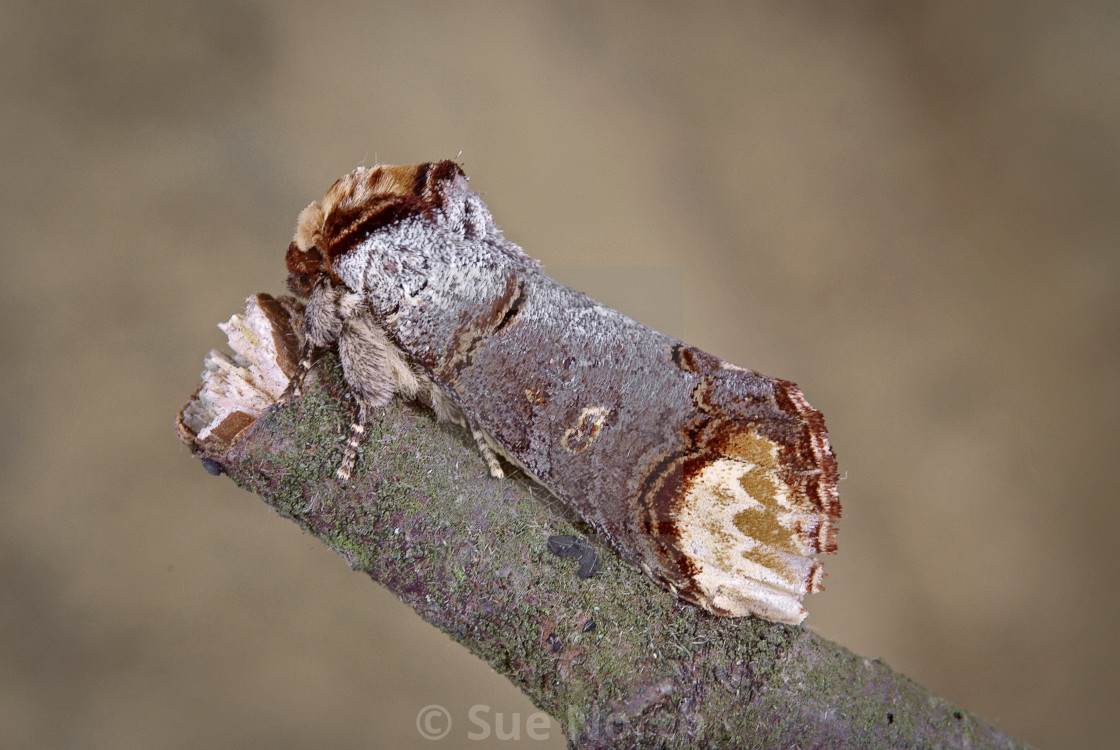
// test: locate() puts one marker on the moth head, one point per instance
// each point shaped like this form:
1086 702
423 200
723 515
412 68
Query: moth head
364 201
305 260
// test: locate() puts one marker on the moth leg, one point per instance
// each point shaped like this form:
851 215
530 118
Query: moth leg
307 355
322 325
448 411
375 371
486 451
350 455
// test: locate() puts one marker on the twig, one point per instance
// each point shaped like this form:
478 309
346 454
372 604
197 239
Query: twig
618 661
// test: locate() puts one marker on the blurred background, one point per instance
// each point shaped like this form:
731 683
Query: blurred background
910 209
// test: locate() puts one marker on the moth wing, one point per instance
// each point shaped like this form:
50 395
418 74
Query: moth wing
755 498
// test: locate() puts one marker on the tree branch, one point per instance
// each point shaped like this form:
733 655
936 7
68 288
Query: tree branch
618 661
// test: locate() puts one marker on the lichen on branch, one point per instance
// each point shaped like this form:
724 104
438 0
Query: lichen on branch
618 661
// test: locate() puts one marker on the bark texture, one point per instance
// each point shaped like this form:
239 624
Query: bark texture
618 661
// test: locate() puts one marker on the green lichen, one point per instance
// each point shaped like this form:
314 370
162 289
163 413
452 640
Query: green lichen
468 552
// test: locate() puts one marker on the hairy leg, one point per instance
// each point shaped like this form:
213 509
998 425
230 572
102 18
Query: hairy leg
322 325
375 371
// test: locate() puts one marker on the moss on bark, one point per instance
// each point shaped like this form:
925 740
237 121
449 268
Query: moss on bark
618 661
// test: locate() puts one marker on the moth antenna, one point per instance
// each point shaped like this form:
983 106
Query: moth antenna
295 385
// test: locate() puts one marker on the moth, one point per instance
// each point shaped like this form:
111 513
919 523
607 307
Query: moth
717 481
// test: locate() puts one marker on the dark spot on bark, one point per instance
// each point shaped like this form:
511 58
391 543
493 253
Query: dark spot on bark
567 546
214 468
563 545
588 562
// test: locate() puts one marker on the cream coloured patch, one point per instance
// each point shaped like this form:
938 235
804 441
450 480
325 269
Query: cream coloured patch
579 438
739 525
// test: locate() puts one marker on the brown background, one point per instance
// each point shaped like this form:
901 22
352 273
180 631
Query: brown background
913 210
